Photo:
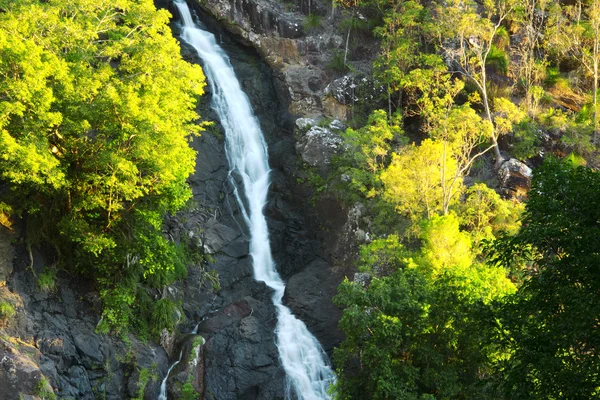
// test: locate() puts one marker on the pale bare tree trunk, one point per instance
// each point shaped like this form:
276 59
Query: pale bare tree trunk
348 38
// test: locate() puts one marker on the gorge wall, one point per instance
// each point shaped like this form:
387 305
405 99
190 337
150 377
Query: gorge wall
50 346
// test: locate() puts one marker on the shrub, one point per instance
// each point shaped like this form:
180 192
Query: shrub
163 315
337 64
46 281
7 311
44 391
312 22
143 380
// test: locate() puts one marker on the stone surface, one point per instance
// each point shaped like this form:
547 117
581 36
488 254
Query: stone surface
309 295
318 145
354 88
239 359
515 178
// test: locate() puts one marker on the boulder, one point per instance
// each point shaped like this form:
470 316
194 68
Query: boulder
515 178
354 88
317 146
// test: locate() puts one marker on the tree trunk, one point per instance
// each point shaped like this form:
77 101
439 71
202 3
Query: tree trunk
488 115
348 38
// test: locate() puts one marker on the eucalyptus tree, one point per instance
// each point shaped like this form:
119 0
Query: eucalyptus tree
466 33
530 61
574 32
462 133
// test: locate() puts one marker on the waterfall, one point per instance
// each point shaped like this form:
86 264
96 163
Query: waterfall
163 384
304 361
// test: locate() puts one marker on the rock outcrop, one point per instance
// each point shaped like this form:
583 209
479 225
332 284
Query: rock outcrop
515 178
301 59
318 144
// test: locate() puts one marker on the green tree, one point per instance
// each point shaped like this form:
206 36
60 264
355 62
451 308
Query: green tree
484 214
368 152
414 335
458 127
531 16
467 35
574 32
551 327
402 32
418 177
95 119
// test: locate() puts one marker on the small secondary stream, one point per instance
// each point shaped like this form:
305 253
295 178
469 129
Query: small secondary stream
304 361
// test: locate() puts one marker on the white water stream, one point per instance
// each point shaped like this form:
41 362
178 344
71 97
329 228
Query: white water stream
304 361
163 384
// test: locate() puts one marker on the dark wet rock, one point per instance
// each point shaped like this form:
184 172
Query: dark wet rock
19 372
309 294
62 346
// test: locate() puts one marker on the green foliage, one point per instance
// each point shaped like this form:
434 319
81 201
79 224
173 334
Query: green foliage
94 130
312 22
7 311
576 160
46 281
188 392
337 64
550 325
412 338
401 39
144 377
498 59
382 257
527 142
355 24
368 152
576 136
444 245
43 390
417 178
164 315
484 213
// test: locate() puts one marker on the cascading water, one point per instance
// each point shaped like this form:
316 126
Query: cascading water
163 384
304 361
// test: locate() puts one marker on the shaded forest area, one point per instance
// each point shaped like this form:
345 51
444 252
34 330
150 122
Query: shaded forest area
462 293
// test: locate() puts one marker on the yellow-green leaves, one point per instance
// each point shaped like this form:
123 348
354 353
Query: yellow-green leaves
97 108
416 178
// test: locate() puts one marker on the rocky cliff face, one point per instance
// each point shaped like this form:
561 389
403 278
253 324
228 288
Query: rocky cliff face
299 56
50 345
240 357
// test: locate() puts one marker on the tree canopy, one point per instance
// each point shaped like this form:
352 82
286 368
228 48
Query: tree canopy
96 112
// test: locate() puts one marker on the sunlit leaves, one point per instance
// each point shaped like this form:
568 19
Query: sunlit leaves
415 178
97 108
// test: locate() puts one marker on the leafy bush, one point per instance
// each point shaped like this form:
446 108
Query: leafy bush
312 22
44 391
337 64
188 392
498 59
527 140
164 315
46 281
7 311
